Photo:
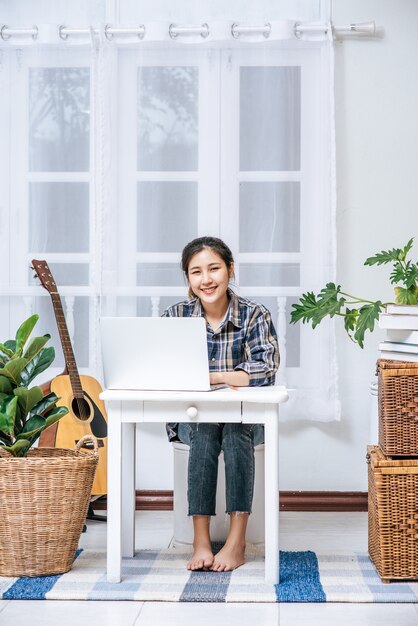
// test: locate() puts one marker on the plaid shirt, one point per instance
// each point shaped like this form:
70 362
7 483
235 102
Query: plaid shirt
245 340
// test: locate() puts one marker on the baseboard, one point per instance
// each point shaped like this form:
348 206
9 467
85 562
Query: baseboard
289 501
323 501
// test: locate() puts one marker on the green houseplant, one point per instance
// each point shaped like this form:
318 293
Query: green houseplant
360 314
44 492
24 411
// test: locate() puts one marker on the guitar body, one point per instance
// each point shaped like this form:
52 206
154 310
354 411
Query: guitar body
91 419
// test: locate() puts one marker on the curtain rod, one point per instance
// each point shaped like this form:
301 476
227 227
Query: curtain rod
175 30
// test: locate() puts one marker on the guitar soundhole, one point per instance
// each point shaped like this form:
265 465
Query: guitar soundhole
80 408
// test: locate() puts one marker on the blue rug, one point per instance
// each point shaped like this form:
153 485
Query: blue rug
161 575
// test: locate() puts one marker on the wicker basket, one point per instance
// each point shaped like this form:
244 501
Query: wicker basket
44 499
393 515
398 407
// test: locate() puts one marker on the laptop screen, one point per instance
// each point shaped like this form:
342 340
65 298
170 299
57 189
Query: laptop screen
155 353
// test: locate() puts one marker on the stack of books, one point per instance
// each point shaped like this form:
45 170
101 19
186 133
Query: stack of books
401 324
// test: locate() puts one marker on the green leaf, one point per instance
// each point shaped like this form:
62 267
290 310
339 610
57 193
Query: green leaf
8 415
314 309
408 274
384 257
54 415
12 370
45 404
306 310
398 273
19 448
5 385
38 364
411 275
3 397
367 316
27 399
329 293
10 344
350 320
6 439
35 425
407 248
35 345
406 296
23 333
6 350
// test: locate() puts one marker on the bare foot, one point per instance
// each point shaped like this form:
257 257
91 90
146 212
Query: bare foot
230 557
202 558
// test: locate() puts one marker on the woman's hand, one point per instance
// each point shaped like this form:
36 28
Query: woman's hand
238 378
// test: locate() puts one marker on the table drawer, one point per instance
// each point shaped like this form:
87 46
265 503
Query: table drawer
192 412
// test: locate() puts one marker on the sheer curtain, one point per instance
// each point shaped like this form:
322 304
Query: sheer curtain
121 149
47 207
232 138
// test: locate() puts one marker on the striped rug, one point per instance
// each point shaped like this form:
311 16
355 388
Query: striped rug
161 575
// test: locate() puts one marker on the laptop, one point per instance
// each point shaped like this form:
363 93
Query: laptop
155 353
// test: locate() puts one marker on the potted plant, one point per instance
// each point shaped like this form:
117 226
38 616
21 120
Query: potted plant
360 314
44 492
24 411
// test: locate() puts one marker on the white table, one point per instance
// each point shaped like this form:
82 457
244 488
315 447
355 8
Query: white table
249 405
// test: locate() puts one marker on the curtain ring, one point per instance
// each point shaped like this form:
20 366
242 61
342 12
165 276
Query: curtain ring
3 33
296 31
172 34
234 33
108 35
61 33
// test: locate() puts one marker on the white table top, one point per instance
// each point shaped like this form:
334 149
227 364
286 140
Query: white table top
267 395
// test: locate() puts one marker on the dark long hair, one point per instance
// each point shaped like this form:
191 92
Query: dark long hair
197 245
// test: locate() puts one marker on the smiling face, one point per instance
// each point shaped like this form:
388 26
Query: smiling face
208 277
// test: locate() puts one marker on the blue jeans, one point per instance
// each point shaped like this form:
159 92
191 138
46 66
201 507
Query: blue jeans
206 442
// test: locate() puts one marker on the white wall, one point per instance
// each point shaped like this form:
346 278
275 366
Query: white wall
377 173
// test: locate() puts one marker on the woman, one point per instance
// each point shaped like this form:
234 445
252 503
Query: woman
243 351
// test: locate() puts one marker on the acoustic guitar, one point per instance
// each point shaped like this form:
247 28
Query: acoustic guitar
80 393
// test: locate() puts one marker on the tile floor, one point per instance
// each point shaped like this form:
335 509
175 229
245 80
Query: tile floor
299 531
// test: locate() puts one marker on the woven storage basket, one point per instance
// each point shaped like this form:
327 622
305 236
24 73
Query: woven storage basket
393 515
44 499
398 407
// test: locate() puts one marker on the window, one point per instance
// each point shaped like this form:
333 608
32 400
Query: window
201 162
51 192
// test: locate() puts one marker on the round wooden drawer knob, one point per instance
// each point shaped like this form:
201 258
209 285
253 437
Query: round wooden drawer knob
192 412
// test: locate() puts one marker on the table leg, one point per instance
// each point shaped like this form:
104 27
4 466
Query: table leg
114 482
128 489
271 451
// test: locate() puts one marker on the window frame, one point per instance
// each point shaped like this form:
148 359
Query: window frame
206 177
22 60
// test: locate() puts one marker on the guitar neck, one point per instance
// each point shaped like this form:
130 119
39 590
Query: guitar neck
66 346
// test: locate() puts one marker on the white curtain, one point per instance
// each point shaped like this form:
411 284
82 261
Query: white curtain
121 149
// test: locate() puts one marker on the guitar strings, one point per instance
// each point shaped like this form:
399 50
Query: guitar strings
80 402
